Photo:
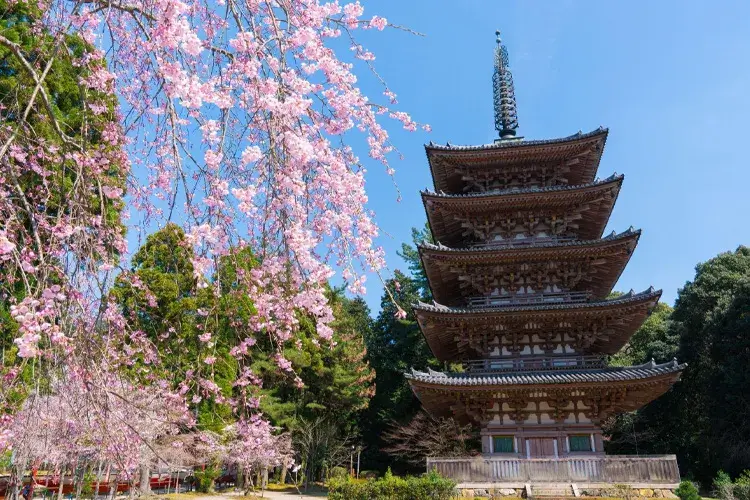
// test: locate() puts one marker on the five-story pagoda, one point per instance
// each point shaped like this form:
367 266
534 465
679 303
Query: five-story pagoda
521 279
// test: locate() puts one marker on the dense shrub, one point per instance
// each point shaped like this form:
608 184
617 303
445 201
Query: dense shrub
741 488
368 474
339 473
431 486
687 491
204 479
725 489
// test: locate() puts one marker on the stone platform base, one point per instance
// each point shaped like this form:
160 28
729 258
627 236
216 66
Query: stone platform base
562 490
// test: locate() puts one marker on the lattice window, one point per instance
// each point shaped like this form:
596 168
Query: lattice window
581 442
502 444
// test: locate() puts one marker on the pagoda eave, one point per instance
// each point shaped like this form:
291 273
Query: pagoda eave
455 334
586 208
582 151
455 273
599 393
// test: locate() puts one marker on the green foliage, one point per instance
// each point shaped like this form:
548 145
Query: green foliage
430 486
338 473
170 309
394 346
368 474
87 484
741 489
410 254
687 491
653 340
67 100
338 381
703 418
204 479
722 486
6 460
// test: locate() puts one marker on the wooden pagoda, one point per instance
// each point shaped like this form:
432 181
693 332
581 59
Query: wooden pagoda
521 278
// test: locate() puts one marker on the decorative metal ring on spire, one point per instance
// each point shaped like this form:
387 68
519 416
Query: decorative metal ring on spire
506 117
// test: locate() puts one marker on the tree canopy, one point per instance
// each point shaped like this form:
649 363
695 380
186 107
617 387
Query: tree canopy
703 418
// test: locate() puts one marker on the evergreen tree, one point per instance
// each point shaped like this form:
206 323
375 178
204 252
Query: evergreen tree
410 254
395 346
170 309
653 340
703 418
67 104
336 380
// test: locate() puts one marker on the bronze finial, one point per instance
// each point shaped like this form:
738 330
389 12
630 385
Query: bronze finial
506 117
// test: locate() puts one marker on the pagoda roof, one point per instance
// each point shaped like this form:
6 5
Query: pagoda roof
609 390
435 307
624 313
584 150
615 249
518 195
599 196
491 382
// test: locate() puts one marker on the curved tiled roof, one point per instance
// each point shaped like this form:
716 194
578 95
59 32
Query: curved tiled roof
607 257
593 203
517 143
529 190
631 296
530 248
519 151
598 375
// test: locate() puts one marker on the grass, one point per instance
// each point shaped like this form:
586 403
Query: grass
280 487
185 496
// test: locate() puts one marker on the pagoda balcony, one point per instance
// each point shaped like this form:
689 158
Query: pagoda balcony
533 363
645 471
524 242
492 301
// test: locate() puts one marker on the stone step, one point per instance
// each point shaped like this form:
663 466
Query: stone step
553 491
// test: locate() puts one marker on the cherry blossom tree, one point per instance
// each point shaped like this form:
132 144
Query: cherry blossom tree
254 447
74 424
232 118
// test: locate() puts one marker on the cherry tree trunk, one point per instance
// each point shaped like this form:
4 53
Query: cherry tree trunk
16 482
284 471
240 481
98 479
144 488
85 470
62 482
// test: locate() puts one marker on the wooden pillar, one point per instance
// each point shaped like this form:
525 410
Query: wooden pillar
487 444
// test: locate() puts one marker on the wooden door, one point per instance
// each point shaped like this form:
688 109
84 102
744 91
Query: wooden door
541 447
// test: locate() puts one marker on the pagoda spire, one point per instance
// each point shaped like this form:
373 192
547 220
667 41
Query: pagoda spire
506 117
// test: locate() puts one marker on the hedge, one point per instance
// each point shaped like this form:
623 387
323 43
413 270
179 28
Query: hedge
431 486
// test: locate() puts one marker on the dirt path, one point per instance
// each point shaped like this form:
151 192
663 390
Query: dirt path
285 495
271 495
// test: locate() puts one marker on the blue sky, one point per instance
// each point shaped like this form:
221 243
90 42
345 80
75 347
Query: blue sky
670 79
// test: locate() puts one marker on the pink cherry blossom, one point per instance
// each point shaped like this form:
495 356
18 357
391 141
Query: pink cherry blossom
6 246
237 126
378 23
111 192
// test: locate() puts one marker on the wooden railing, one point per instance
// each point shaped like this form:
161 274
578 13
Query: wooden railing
525 242
534 363
531 298
655 469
